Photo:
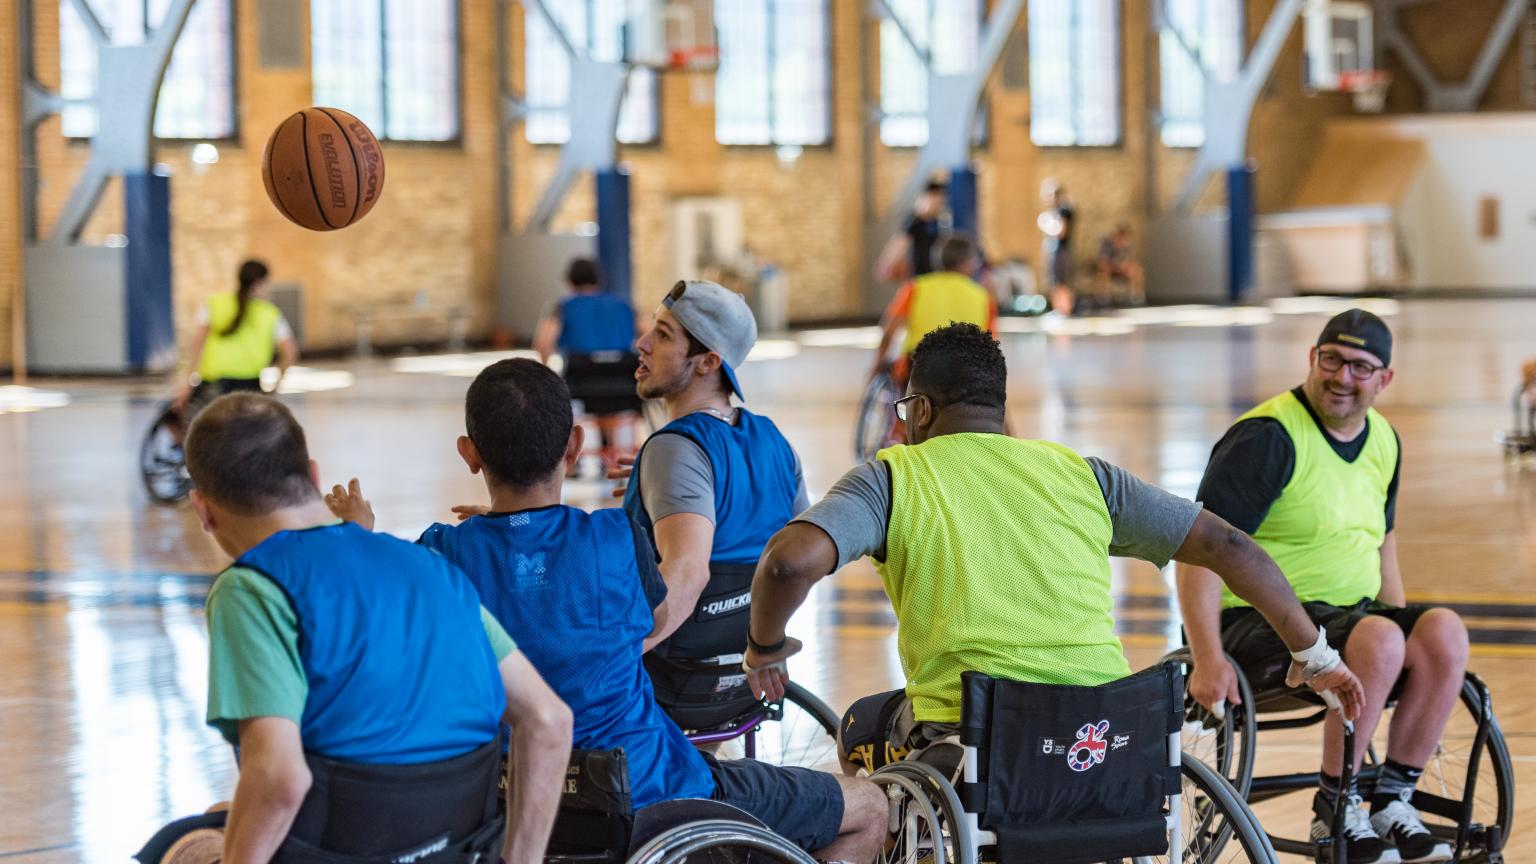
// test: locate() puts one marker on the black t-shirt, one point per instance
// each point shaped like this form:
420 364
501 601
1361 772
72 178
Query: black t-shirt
1251 464
923 233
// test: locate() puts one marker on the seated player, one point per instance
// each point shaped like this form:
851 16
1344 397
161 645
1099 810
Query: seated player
1115 262
357 675
995 553
932 300
1312 474
709 488
594 332
581 594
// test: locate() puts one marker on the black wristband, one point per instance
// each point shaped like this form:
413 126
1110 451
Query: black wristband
766 649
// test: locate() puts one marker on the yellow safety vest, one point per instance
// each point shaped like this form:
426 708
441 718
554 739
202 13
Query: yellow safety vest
940 298
997 560
1326 528
245 352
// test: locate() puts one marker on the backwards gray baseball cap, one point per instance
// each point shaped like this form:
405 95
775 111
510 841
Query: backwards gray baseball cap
719 318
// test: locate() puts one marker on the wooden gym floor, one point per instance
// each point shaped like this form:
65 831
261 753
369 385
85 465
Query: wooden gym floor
102 642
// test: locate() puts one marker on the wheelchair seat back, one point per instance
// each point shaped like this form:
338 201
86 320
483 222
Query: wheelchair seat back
1074 774
596 815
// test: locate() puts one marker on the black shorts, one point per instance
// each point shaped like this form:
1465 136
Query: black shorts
803 806
880 729
603 383
1264 658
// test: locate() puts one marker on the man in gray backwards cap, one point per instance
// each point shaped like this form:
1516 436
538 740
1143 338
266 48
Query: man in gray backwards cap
710 488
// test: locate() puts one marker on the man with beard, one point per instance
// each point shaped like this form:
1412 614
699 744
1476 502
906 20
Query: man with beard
710 488
1312 474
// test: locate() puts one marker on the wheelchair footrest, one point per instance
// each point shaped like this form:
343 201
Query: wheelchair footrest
1082 842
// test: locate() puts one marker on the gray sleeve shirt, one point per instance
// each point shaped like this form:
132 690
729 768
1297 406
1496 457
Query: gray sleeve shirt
676 477
1149 523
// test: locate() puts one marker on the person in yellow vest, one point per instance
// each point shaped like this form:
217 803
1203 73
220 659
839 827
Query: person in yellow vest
1312 475
237 336
995 553
932 300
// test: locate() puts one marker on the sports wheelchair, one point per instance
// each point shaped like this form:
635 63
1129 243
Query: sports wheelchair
1069 775
875 427
597 825
798 730
1466 796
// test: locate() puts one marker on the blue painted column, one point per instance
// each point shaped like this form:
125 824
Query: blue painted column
963 201
613 252
1240 230
147 275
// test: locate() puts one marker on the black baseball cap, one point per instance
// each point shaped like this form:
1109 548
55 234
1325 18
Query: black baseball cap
1358 328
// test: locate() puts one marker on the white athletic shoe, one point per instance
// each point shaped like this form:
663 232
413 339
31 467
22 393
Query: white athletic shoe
1365 846
1400 823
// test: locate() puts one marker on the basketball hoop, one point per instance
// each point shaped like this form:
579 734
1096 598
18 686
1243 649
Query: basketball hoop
1368 87
672 36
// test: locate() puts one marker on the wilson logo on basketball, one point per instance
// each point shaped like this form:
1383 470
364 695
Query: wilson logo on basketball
371 157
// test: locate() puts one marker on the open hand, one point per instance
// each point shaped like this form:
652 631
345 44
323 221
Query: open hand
349 504
469 511
625 468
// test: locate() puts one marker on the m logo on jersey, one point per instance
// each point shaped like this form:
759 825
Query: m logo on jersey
1090 748
529 571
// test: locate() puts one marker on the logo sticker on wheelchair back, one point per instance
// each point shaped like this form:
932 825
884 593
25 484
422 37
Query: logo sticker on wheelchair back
1087 748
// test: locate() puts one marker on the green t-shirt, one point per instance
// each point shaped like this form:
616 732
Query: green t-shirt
254 668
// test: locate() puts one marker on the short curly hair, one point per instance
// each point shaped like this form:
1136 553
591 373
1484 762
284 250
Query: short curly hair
960 364
518 413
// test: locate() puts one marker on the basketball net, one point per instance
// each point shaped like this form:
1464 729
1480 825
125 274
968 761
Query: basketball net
1368 87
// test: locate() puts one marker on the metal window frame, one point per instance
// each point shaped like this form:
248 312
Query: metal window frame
828 138
233 136
1240 30
653 141
1075 82
981 137
456 139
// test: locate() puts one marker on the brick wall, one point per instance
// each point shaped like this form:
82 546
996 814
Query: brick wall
434 229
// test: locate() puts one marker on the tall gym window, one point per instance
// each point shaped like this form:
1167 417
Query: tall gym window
197 96
597 26
773 85
393 63
950 30
1074 73
1213 30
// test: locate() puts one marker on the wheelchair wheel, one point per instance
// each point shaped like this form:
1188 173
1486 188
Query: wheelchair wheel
1226 745
1215 824
719 841
162 465
1442 789
876 418
924 827
801 731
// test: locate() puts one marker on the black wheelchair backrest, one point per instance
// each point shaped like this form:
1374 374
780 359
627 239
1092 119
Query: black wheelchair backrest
596 814
1069 774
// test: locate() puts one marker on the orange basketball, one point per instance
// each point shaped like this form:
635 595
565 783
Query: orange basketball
323 169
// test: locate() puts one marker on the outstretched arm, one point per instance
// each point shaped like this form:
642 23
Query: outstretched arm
796 558
1252 575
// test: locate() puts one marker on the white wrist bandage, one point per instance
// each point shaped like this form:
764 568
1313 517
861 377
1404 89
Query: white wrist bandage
1320 659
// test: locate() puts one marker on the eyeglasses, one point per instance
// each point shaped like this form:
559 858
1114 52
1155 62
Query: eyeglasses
900 406
1333 361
